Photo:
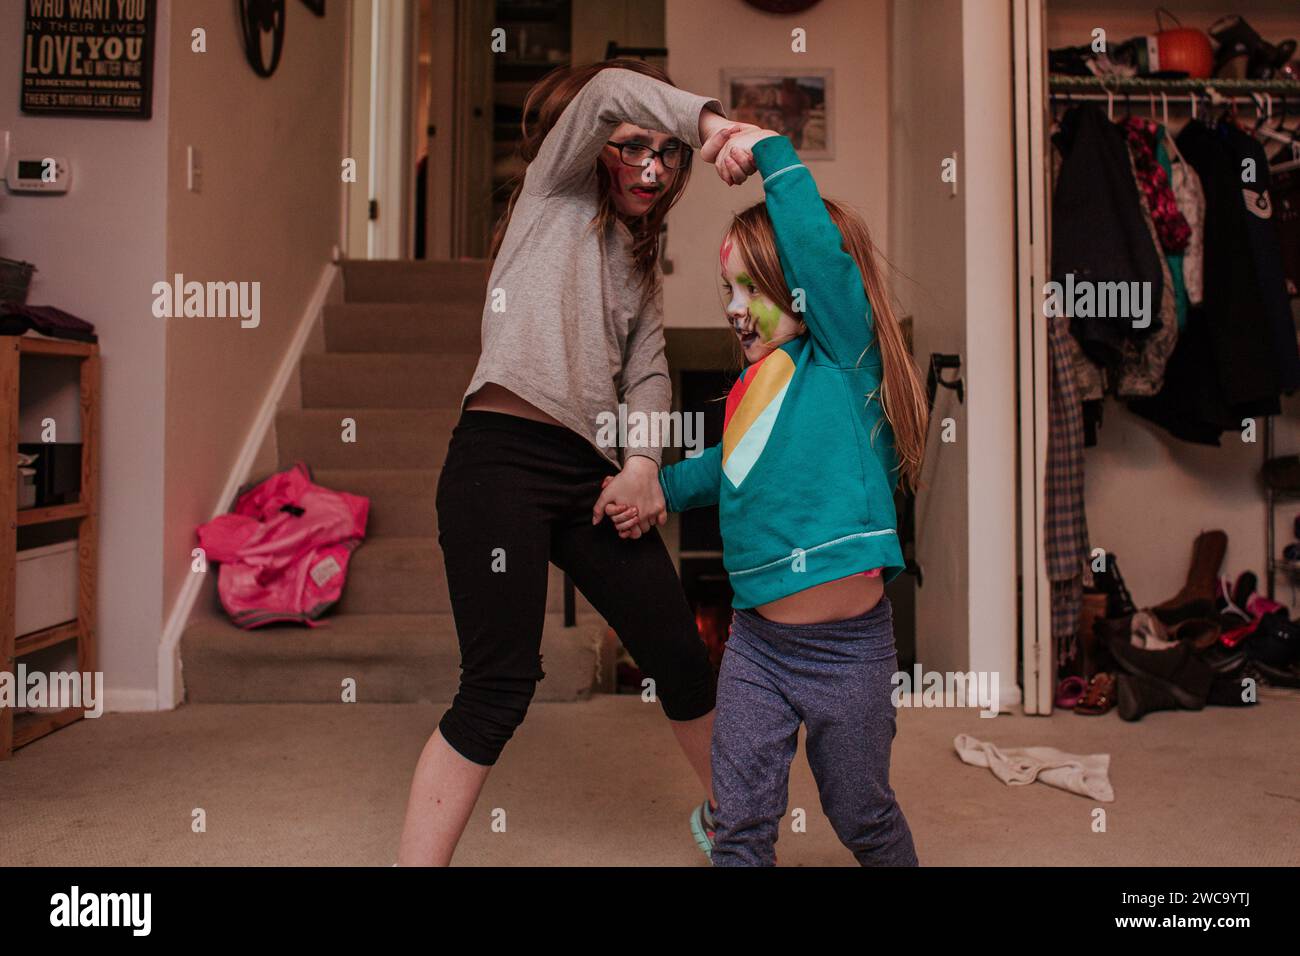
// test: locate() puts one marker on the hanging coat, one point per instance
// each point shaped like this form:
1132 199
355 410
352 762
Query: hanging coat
1098 232
1142 370
1260 227
284 549
1224 368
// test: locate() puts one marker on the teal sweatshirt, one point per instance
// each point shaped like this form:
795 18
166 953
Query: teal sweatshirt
805 473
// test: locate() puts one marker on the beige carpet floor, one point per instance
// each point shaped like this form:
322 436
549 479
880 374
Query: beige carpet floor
601 782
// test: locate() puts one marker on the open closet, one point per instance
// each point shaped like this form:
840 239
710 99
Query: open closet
1158 159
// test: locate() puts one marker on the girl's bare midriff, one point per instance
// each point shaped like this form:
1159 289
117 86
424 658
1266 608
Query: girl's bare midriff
497 398
832 601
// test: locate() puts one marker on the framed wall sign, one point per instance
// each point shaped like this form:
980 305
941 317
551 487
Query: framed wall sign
797 103
88 58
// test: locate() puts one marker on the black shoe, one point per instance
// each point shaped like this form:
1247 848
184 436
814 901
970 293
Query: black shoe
1234 37
1288 676
1139 696
1179 671
1226 691
1276 641
1243 588
1222 660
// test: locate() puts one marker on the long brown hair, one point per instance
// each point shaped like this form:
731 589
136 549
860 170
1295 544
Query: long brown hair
551 94
901 393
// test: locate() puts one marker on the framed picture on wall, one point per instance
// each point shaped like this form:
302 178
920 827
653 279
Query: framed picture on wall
88 59
795 102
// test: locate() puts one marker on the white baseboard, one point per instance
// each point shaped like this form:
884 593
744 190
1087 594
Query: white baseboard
171 689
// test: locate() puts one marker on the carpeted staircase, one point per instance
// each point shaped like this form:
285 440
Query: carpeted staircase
399 353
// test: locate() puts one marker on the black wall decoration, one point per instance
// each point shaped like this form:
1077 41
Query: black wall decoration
257 18
783 6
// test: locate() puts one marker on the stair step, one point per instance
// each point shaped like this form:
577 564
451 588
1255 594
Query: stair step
401 500
396 575
404 327
394 658
385 380
385 438
406 575
399 354
418 280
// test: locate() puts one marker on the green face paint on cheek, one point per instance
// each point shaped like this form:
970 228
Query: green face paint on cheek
767 316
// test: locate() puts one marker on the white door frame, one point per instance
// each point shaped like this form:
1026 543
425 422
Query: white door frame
1033 242
392 167
985 167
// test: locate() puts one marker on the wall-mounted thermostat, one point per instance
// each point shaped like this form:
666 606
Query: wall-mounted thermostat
38 174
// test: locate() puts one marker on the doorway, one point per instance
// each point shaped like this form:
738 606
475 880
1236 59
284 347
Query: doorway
476 63
952 241
377 219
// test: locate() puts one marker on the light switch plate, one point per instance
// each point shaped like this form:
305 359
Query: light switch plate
193 171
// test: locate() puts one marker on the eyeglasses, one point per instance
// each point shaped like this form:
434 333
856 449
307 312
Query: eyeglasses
638 154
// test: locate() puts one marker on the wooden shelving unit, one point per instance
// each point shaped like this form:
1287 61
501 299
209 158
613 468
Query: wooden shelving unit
18 730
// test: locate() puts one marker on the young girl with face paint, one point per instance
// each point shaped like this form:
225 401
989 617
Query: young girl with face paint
826 419
572 328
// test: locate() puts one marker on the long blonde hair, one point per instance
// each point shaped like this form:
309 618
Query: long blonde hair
901 393
542 108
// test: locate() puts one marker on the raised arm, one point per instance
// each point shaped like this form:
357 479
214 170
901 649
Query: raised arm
566 159
812 254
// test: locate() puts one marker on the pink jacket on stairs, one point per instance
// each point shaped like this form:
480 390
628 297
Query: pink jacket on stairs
284 549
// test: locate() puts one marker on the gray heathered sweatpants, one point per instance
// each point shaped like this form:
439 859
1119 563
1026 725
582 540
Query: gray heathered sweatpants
836 678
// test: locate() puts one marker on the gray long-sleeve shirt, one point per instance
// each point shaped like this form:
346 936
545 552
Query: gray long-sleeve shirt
566 325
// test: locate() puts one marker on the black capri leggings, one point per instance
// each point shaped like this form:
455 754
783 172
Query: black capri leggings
527 488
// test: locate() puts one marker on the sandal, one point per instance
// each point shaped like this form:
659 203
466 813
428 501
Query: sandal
1070 691
1099 697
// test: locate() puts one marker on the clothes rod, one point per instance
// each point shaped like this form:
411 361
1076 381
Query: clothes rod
1144 98
1145 85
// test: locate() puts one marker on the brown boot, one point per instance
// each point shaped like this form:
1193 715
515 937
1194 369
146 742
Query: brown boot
1203 575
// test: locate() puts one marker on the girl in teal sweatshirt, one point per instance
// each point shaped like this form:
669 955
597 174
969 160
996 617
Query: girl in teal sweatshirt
824 422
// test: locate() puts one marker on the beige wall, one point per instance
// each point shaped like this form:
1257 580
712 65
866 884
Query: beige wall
268 211
928 229
1148 494
850 36
99 249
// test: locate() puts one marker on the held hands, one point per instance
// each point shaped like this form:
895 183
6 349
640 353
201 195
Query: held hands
728 146
632 499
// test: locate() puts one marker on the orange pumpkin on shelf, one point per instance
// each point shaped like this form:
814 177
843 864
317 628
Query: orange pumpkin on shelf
1185 50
